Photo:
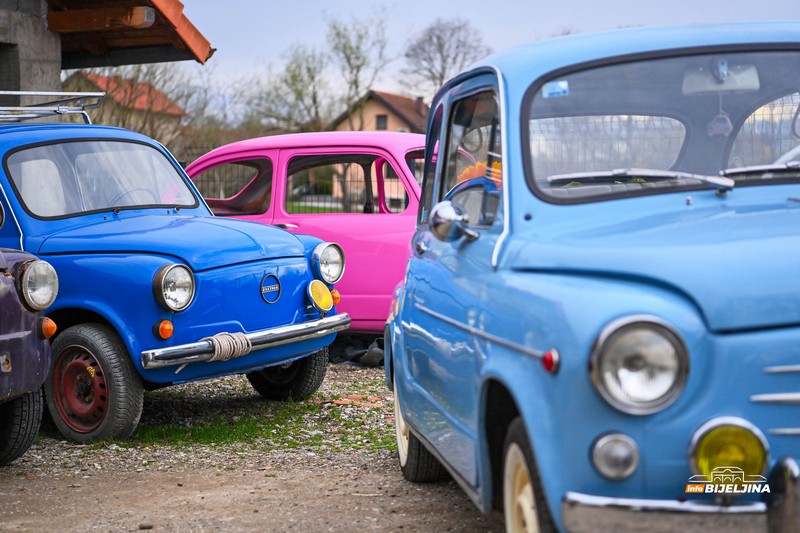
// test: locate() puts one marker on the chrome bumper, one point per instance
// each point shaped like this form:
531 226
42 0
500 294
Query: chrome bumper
780 513
201 351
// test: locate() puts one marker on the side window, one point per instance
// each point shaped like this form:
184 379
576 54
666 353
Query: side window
429 168
473 170
769 135
343 183
237 188
394 192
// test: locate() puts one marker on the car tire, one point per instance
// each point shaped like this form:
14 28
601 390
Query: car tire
296 380
416 463
524 505
20 420
93 392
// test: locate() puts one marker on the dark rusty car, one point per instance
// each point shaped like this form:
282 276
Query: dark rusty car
27 287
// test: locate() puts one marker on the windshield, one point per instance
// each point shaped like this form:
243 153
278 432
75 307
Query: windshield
660 125
76 177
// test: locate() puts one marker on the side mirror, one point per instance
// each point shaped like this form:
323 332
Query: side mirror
449 221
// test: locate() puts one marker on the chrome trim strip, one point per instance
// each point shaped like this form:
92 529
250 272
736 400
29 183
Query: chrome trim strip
785 432
777 397
480 333
13 216
201 351
669 506
505 126
782 369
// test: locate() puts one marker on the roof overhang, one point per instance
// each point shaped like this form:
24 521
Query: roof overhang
99 33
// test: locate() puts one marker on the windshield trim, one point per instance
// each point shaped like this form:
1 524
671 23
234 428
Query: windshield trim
51 142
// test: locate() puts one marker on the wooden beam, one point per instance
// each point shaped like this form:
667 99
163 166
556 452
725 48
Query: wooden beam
100 19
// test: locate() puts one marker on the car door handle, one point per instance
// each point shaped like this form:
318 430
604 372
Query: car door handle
283 225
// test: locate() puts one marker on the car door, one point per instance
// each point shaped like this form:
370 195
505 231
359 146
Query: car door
362 199
447 279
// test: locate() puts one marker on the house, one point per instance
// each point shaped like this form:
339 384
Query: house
379 110
130 104
39 38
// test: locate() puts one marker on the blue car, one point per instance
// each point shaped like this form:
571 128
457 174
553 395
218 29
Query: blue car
154 290
599 326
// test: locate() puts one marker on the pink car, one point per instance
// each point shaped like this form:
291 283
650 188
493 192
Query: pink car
359 189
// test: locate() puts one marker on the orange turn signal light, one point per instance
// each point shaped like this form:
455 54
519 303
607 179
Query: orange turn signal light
48 327
336 297
164 329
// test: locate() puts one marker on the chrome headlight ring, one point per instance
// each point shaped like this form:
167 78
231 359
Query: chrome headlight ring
38 284
173 287
639 364
327 262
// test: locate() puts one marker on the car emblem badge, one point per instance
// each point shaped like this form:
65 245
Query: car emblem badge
270 288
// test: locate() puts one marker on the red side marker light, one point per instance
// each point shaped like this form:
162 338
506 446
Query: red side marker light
550 361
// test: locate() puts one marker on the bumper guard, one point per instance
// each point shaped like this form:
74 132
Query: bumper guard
203 350
780 513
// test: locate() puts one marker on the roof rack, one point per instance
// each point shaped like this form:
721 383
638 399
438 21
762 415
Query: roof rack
66 104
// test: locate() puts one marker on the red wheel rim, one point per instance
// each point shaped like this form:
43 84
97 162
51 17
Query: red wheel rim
80 389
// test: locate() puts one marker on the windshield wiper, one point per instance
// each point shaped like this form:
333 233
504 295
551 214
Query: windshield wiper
775 168
720 183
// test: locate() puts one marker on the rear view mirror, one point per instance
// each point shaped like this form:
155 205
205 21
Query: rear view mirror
721 78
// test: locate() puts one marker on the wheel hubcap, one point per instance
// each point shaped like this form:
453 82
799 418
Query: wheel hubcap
520 504
80 389
401 432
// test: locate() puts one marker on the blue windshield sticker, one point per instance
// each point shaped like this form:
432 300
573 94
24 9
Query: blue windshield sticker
555 88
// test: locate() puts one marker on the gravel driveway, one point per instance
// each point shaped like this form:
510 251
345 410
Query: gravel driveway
245 486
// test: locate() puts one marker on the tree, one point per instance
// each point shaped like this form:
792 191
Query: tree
440 52
148 98
359 49
298 98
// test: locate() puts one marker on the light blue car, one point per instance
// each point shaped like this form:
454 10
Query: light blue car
599 327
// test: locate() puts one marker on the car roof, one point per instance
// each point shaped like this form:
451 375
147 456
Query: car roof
523 64
22 133
387 139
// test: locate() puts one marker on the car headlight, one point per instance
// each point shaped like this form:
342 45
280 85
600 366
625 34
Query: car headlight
39 284
639 365
173 287
327 262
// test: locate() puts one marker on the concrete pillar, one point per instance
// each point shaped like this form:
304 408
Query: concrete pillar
30 55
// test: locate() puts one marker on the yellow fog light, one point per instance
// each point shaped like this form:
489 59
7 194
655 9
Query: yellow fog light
729 444
320 296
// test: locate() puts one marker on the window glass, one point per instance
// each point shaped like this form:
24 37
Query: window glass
237 187
381 122
343 183
70 178
766 136
664 124
473 171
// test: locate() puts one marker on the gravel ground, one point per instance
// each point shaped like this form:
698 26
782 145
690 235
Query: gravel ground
317 479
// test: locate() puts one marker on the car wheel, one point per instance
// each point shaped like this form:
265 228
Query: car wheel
93 392
20 419
296 380
524 506
416 463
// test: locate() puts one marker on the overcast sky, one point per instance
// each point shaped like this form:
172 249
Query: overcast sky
251 34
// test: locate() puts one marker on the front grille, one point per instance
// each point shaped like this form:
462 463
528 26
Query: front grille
791 397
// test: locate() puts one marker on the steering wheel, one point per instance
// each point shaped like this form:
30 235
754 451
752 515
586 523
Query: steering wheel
128 192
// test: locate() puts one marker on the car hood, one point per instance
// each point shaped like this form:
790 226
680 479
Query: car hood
741 267
202 242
